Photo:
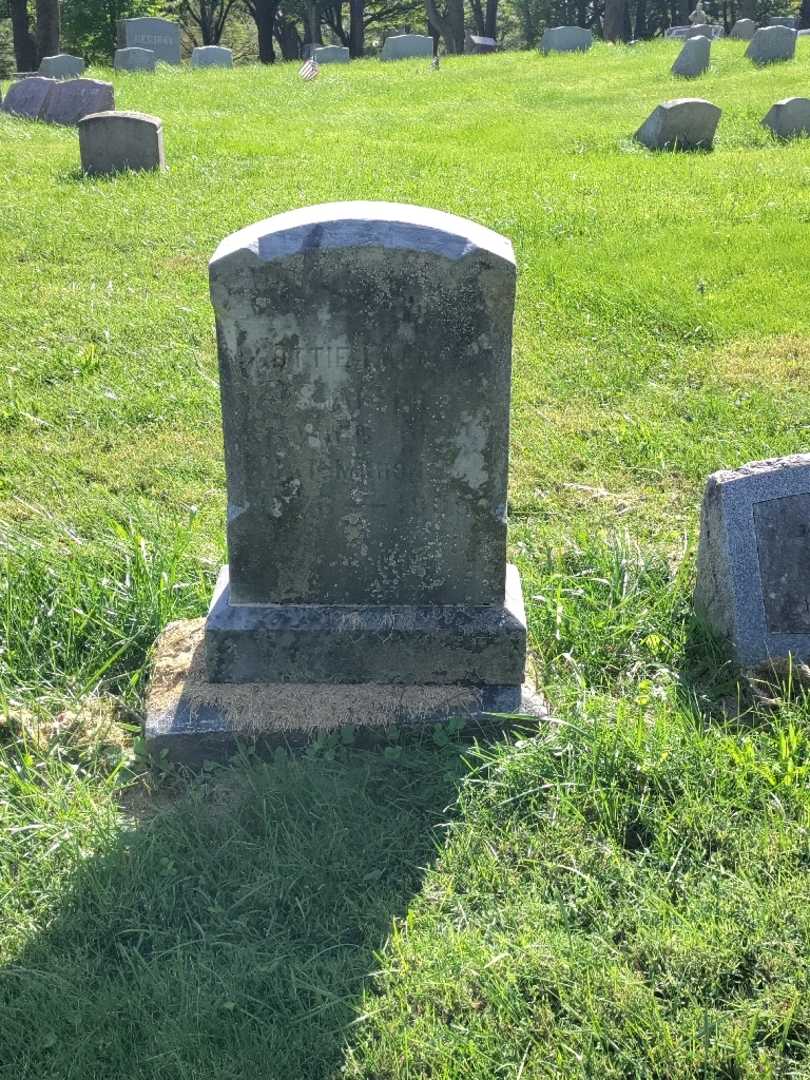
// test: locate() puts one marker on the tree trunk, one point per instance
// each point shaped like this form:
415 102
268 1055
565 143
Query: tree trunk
615 13
357 13
641 19
313 23
478 16
288 39
451 25
491 20
804 15
47 27
25 48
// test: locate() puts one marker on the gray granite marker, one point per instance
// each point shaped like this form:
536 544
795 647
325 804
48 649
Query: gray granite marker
783 20
789 118
406 46
330 54
73 99
134 59
365 360
771 44
62 66
743 29
27 97
112 141
566 39
211 56
680 124
693 59
160 36
753 584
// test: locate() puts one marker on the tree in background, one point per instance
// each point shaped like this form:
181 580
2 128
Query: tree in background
89 26
25 46
449 24
804 15
204 20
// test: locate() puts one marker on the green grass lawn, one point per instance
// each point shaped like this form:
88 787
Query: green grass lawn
625 893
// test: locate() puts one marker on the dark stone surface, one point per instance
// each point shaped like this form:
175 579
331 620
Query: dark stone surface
27 97
159 35
783 545
365 365
319 643
753 573
71 100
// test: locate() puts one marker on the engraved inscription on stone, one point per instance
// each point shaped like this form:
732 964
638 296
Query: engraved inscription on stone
782 528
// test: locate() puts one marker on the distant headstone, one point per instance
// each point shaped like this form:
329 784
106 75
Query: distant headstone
566 39
783 20
804 33
134 59
789 118
211 56
477 44
680 124
709 30
753 585
771 44
62 66
110 142
365 356
406 46
743 29
306 50
71 100
693 59
28 96
331 54
161 36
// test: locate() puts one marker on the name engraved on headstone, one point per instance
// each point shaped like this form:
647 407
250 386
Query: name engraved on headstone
782 528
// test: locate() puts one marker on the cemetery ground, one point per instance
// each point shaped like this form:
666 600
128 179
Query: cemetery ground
622 893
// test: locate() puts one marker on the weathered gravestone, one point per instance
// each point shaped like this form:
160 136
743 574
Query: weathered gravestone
753 583
566 39
783 20
62 66
709 30
73 99
365 356
693 58
743 29
158 35
27 97
772 43
112 141
789 118
330 54
803 33
406 46
211 56
477 44
680 124
134 59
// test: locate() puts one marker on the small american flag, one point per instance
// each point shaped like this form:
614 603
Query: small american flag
309 70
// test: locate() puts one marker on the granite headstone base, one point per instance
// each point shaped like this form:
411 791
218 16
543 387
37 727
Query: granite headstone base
192 719
431 644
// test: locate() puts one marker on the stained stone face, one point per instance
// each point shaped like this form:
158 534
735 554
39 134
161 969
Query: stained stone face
566 39
782 529
771 44
62 66
211 56
365 377
73 99
753 585
27 97
743 29
789 118
406 46
330 54
112 141
680 124
693 59
160 36
134 59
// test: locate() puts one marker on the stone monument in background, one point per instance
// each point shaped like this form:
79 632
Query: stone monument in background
365 371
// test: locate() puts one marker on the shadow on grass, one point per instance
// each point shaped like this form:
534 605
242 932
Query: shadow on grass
228 933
